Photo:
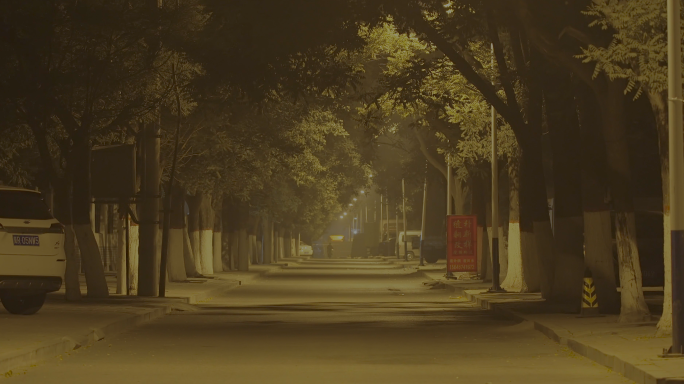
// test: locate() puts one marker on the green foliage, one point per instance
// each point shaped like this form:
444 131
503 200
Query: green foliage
638 50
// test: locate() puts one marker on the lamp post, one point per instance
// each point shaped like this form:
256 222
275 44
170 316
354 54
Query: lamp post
422 224
496 287
382 228
396 229
403 210
676 137
387 214
449 274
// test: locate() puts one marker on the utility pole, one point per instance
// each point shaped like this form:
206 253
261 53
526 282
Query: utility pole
422 224
676 137
496 287
387 214
396 229
148 262
149 212
382 229
403 210
449 274
167 201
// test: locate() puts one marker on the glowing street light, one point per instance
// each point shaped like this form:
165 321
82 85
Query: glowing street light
362 192
355 199
351 205
345 213
341 217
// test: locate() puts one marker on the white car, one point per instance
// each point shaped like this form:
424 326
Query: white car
412 236
305 250
32 258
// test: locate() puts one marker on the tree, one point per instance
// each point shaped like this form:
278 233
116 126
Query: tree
637 54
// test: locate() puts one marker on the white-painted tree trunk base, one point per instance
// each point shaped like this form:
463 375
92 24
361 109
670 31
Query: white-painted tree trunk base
665 323
121 278
515 276
218 263
503 254
175 263
633 308
207 251
133 258
92 261
196 250
189 256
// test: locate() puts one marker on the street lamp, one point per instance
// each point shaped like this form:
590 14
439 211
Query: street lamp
676 159
496 287
354 199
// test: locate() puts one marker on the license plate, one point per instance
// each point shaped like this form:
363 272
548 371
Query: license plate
30 240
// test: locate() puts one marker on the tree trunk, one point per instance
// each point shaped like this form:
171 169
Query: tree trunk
120 228
479 210
534 217
290 244
633 305
217 240
189 256
267 247
298 244
489 230
149 213
206 232
194 204
598 240
561 117
243 238
254 222
62 195
176 262
90 252
521 275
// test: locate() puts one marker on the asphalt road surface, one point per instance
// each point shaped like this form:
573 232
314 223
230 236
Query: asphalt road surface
327 322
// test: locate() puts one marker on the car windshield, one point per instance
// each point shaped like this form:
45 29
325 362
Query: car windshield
23 205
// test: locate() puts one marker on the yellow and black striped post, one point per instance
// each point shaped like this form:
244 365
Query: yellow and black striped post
589 302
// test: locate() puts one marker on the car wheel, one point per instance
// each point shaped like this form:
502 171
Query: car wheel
22 304
431 259
410 256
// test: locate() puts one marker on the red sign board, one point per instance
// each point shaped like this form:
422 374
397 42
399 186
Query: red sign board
461 243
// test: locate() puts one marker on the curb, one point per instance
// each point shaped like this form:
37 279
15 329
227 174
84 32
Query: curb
628 370
27 356
48 350
227 285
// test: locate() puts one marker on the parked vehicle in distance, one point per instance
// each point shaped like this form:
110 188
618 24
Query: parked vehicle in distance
305 249
412 252
387 247
434 248
32 258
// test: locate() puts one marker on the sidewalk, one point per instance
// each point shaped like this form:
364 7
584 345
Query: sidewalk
629 349
61 327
